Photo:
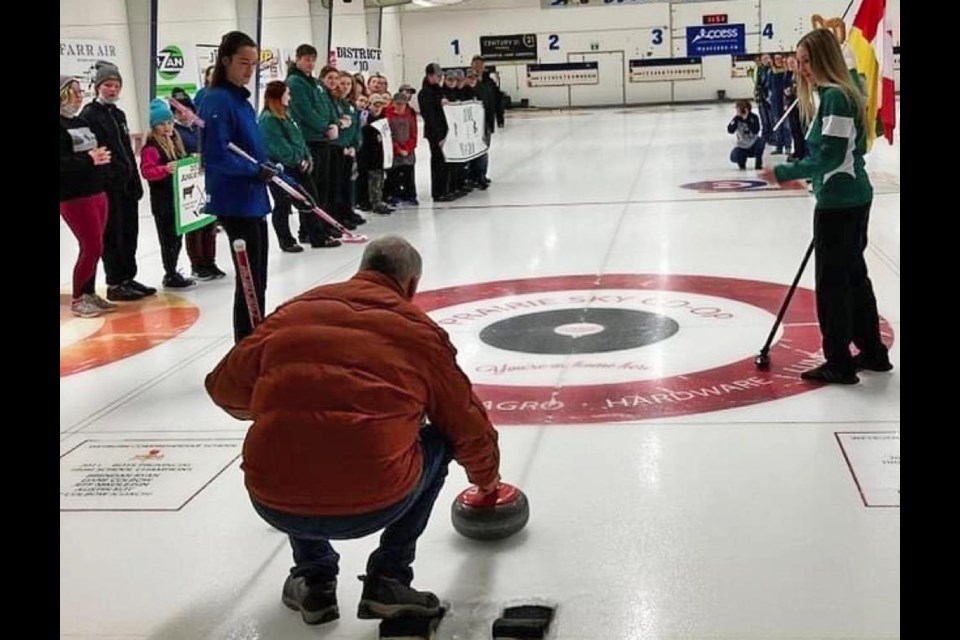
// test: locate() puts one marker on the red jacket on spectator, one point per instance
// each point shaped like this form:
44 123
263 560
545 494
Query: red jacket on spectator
403 129
337 382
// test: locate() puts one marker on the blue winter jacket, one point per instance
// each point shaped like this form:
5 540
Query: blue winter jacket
233 188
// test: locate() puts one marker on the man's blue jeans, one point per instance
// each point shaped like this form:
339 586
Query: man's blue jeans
402 524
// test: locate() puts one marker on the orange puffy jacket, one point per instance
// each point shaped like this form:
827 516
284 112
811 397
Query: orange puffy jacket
337 382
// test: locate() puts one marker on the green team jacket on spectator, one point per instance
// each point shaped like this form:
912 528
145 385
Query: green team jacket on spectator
310 106
837 144
349 137
283 139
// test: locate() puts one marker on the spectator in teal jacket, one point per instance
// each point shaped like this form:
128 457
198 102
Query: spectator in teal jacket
311 106
285 146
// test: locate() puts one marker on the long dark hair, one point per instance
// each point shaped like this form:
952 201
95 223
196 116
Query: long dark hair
229 45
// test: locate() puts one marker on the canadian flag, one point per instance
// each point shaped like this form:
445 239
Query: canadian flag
871 41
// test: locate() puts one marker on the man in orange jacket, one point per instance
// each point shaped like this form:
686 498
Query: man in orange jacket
338 382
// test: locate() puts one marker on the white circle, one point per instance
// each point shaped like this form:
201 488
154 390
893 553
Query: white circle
578 329
715 331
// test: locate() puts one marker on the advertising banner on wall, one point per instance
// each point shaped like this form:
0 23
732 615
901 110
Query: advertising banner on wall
666 69
518 47
562 74
78 57
272 66
743 66
206 57
716 40
176 69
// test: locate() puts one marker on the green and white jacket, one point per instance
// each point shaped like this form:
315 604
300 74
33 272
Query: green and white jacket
837 143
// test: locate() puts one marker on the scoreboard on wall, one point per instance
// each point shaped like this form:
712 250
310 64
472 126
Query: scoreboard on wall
666 69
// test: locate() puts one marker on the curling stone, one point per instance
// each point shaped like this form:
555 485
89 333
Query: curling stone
492 517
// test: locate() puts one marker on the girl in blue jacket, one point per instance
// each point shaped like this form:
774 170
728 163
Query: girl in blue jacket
236 187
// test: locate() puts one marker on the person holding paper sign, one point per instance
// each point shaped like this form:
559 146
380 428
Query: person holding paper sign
158 163
370 158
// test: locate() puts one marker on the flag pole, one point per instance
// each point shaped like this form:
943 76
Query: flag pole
794 105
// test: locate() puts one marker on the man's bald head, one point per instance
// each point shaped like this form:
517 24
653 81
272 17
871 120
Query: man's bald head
395 257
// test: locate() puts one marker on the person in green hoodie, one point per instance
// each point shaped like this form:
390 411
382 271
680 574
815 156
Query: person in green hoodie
311 106
345 150
846 306
285 145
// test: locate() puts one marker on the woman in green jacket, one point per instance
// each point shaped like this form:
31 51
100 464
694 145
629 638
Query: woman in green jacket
846 306
285 145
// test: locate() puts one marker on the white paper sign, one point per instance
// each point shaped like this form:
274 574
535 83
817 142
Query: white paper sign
190 197
206 57
874 461
383 126
137 475
465 122
357 59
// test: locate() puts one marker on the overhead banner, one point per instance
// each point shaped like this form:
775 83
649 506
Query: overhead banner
563 74
464 140
357 59
504 48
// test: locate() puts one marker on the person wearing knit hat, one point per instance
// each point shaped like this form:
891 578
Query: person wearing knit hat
158 163
201 243
105 71
83 204
123 186
159 113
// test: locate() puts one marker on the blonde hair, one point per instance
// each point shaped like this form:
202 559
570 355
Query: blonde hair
828 70
172 146
66 91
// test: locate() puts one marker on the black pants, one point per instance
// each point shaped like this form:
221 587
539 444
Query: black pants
120 238
311 228
401 183
170 241
797 133
456 176
846 306
438 170
343 197
254 231
320 151
361 193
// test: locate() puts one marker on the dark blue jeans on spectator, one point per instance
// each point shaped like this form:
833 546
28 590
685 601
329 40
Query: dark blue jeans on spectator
402 524
739 155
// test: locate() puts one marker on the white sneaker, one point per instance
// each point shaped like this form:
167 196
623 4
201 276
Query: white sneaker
102 303
84 307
